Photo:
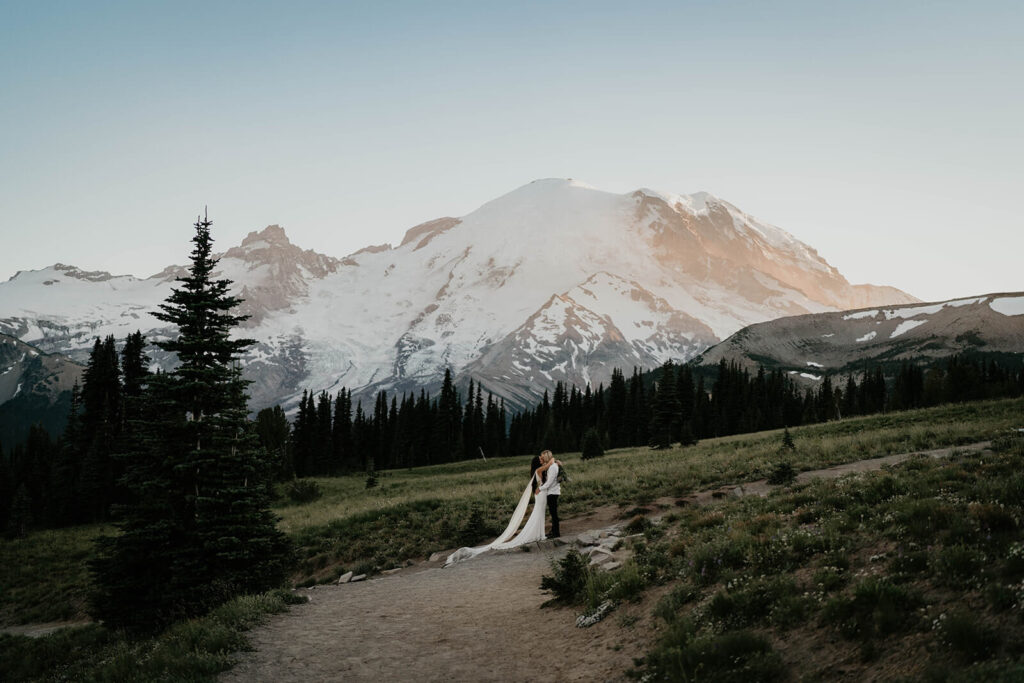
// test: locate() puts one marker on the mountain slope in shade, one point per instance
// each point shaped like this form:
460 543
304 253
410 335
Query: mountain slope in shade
809 346
35 387
555 280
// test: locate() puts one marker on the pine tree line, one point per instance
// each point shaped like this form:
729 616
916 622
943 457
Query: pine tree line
328 438
75 479
672 404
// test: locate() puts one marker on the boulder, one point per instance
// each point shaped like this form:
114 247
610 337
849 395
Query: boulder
345 578
360 577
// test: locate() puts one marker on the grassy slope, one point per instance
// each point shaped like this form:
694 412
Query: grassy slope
413 513
915 572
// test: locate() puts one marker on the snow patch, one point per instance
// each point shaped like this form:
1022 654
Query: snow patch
906 326
812 364
1008 305
860 315
806 375
868 337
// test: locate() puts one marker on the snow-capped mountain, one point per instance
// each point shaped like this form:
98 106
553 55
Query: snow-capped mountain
811 346
555 280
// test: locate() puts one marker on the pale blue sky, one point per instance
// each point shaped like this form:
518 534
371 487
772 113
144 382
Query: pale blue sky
885 134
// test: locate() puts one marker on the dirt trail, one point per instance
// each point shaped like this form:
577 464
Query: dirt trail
479 620
761 487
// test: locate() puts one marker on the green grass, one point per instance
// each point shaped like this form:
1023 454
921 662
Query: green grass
412 513
925 557
45 577
193 650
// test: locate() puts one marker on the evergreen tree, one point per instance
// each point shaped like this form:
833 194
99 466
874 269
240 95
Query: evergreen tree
341 431
448 421
6 488
100 427
667 409
617 410
591 446
200 529
64 494
323 449
273 431
21 519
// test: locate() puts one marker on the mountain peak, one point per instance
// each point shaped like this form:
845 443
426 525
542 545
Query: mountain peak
272 235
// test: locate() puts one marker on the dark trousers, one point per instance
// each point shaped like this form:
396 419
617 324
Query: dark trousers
553 509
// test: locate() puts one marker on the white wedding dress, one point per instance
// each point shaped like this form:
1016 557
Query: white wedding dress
532 531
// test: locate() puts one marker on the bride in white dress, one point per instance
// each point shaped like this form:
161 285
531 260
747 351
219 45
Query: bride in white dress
532 531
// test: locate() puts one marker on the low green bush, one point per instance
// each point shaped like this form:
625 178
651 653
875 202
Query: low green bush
966 636
733 657
568 582
301 491
877 607
958 566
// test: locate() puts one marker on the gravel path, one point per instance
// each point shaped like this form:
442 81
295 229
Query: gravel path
479 620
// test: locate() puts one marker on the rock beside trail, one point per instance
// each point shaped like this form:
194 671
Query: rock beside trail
604 547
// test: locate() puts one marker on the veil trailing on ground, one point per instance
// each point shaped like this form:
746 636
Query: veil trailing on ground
532 531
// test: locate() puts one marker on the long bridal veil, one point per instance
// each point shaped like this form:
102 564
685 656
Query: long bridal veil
532 531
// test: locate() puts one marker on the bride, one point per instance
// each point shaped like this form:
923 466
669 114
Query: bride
532 531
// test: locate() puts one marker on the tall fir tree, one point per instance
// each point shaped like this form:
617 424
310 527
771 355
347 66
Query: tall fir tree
200 530
667 411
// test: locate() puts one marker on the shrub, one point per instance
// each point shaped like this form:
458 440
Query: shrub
626 583
994 518
302 490
709 560
733 657
668 607
829 579
569 583
638 525
923 519
958 566
876 608
880 489
967 637
474 529
591 444
787 441
782 473
747 603
908 563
